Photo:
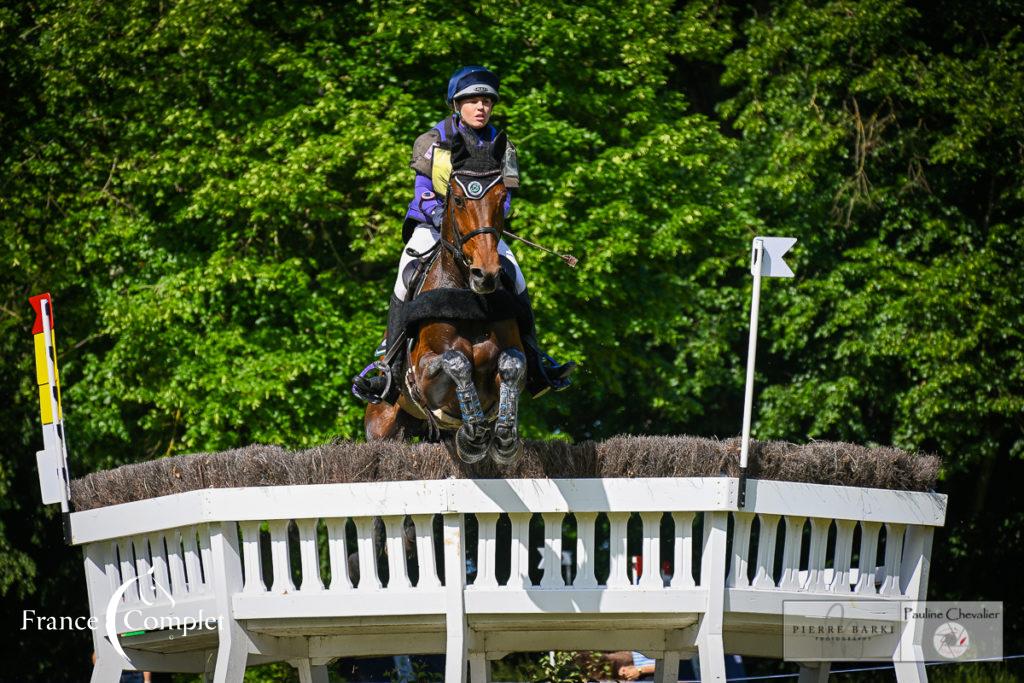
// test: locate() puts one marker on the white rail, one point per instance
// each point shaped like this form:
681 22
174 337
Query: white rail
307 574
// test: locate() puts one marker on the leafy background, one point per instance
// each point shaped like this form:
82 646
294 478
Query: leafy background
213 193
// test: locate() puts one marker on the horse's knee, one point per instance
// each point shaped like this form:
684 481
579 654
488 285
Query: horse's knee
512 366
458 367
431 366
379 421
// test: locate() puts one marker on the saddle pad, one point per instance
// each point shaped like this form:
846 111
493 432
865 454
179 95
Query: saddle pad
462 304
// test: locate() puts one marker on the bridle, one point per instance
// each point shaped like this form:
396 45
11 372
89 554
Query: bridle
474 190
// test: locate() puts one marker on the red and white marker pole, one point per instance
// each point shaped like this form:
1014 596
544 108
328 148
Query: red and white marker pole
52 461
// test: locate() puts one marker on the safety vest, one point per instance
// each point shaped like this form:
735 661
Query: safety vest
435 161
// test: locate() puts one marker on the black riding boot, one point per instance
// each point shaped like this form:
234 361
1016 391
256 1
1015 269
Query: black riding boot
543 372
385 385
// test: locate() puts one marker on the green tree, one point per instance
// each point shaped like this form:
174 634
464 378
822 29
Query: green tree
212 191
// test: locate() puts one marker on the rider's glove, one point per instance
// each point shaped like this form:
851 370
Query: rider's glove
437 215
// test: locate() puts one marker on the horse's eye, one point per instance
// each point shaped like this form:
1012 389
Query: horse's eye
459 201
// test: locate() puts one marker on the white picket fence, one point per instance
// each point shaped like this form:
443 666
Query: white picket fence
307 574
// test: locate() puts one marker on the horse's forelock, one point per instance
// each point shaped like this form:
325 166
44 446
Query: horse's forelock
479 158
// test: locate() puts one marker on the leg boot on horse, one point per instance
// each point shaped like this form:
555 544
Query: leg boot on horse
474 436
506 444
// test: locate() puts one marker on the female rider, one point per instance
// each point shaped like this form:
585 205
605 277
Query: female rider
472 94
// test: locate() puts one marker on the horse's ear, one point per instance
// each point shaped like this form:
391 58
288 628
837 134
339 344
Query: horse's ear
460 150
498 147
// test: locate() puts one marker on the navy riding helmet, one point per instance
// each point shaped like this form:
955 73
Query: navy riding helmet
470 81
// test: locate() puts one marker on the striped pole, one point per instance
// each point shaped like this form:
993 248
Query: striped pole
52 461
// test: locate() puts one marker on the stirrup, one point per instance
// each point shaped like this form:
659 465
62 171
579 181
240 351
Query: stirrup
558 373
551 375
364 393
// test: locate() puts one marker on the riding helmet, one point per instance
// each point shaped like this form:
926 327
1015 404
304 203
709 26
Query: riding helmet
470 81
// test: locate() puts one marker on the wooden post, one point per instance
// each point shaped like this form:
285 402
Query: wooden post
455 598
710 647
226 570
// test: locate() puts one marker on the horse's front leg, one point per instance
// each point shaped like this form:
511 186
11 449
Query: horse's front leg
506 445
474 436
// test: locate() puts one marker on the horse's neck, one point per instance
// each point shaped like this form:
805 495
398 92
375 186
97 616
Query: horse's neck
444 272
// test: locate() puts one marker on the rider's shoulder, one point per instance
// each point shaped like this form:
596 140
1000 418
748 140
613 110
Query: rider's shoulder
423 151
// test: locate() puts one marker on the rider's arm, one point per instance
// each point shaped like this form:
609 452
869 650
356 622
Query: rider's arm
426 206
422 162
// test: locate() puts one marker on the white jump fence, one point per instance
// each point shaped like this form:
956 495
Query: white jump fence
308 574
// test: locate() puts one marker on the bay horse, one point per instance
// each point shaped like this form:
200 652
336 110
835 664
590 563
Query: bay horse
464 375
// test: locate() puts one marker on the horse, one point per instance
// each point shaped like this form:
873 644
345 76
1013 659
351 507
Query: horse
463 374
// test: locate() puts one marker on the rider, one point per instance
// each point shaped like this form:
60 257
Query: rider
472 94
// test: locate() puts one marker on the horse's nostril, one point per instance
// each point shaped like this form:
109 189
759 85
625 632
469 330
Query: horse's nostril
477 273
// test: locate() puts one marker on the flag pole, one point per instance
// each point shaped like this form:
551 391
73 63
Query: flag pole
756 258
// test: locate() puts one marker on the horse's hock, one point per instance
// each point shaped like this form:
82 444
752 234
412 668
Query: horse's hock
383 549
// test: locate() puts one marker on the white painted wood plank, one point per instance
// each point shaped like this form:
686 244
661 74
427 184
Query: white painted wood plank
126 552
309 555
398 569
280 557
618 561
894 535
552 551
765 572
682 573
455 595
742 522
769 602
497 495
651 575
845 502
486 551
868 551
176 564
353 605
635 601
586 567
368 577
520 574
143 563
251 562
193 561
791 553
816 581
844 553
425 552
593 495
337 552
161 570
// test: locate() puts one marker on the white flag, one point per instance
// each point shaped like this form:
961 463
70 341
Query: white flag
774 248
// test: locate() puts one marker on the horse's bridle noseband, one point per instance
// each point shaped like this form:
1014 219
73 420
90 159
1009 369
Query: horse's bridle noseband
474 190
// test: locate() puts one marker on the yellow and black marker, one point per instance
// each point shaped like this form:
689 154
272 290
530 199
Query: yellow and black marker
52 461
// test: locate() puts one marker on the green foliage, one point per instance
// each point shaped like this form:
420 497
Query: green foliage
213 192
554 667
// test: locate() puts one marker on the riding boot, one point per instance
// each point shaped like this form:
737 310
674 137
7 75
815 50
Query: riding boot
385 385
543 372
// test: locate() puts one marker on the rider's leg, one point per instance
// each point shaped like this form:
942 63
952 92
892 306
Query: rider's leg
544 372
374 387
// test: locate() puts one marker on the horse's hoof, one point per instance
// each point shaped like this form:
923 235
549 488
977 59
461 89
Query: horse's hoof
506 451
470 449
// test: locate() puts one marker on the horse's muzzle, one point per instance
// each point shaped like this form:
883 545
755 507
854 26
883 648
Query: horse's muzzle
481 282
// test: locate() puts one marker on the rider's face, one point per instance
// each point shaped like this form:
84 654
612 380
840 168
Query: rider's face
475 111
